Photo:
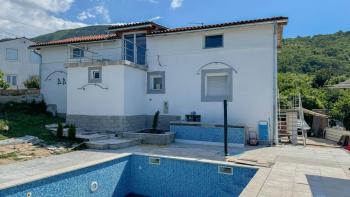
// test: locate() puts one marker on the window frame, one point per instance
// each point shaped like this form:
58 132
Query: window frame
152 75
91 74
13 60
82 53
216 72
11 79
205 39
135 54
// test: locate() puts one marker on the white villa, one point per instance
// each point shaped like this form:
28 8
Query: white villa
17 62
116 82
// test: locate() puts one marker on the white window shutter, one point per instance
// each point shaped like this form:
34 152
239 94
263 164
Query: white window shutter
217 85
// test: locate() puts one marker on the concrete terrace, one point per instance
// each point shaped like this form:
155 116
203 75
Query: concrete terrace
297 171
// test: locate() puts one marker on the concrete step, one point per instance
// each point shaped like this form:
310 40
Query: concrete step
112 143
93 136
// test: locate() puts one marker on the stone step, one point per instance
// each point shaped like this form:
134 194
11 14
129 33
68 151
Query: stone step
93 136
112 143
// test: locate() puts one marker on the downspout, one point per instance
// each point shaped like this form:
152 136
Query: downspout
274 122
40 65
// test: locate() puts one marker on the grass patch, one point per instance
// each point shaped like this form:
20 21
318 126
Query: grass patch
28 119
2 137
12 155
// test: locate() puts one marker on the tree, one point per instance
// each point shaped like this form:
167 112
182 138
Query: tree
3 84
341 110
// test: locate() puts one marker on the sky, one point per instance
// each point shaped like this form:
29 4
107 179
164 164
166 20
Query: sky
35 17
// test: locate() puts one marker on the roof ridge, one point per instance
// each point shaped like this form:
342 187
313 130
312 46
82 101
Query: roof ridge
187 28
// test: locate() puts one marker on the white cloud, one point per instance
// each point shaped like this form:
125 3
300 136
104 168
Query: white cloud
32 17
155 18
151 1
99 10
176 3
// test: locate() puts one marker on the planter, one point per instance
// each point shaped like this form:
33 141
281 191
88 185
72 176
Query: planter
152 138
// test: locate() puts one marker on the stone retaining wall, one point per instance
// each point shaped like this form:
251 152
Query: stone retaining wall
118 123
20 92
20 96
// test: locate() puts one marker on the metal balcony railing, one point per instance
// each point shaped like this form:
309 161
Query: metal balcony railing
135 54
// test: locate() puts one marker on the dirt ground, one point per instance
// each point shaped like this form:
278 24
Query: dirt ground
27 151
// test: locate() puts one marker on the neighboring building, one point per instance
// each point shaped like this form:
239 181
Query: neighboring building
118 81
17 62
341 85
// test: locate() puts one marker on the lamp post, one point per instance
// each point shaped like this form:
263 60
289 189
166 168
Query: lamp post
225 128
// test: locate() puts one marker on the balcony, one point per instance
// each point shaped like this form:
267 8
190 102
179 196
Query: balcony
108 56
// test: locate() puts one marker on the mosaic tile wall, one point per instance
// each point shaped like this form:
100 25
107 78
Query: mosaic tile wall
208 134
134 174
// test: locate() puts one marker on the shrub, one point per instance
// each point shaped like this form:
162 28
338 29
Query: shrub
3 84
32 82
71 132
42 106
37 107
155 122
341 111
59 132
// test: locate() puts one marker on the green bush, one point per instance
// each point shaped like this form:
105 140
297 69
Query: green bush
59 132
3 84
71 132
37 107
155 122
32 82
341 110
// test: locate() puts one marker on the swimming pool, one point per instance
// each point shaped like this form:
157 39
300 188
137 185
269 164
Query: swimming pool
144 176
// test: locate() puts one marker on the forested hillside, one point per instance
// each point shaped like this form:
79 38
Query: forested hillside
309 65
68 33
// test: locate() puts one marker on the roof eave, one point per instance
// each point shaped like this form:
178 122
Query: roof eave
71 43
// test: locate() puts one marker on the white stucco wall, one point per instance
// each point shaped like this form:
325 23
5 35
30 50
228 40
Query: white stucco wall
94 100
249 50
53 69
134 91
24 67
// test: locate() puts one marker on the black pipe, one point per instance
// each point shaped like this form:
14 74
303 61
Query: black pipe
225 127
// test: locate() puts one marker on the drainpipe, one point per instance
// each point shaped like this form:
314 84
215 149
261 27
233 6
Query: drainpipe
40 65
274 121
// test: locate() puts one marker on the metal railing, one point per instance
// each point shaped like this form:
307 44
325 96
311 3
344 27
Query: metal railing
136 54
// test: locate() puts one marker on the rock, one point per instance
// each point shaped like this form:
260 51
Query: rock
5 128
21 140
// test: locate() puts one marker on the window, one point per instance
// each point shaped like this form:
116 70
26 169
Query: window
11 80
216 85
135 48
95 74
11 54
77 53
214 41
129 50
156 82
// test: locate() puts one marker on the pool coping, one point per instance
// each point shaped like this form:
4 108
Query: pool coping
253 186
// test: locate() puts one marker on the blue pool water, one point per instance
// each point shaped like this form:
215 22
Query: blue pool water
135 174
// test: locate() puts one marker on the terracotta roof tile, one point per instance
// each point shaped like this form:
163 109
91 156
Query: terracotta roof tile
181 29
78 39
114 27
162 30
